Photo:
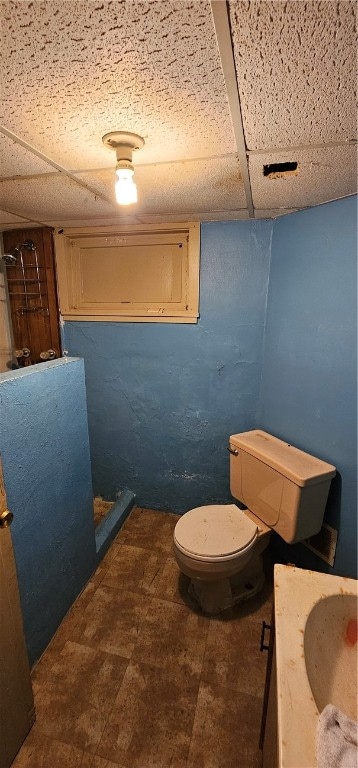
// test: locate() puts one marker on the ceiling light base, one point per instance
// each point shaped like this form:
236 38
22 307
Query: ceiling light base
116 139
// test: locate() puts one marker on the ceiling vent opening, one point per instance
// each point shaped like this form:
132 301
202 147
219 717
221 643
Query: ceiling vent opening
280 170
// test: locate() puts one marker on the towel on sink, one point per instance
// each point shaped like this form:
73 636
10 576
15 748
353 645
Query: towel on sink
336 740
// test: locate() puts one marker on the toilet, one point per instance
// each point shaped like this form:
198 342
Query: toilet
219 546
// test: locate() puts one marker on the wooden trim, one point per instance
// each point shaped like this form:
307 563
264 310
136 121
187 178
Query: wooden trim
54 315
115 229
129 319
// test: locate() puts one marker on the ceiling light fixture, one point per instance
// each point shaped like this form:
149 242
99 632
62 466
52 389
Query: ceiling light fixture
124 145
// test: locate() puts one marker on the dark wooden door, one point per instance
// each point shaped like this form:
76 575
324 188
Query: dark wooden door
31 279
17 713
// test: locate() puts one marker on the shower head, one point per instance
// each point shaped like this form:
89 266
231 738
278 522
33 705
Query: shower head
11 258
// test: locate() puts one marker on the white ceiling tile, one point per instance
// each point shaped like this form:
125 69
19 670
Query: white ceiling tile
94 221
273 213
209 189
43 198
9 218
201 186
163 218
9 221
17 161
297 72
224 215
323 174
23 225
76 70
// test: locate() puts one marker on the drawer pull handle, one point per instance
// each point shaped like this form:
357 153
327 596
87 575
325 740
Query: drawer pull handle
234 451
265 626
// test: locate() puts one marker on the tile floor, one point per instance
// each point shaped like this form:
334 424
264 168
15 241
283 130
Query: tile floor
137 677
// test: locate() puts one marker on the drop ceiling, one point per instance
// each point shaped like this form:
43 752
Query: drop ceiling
217 90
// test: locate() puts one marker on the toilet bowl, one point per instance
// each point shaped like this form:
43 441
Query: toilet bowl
219 548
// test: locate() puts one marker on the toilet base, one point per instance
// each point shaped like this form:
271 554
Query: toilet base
217 596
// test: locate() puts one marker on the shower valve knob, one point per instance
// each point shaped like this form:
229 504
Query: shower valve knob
6 518
50 354
25 352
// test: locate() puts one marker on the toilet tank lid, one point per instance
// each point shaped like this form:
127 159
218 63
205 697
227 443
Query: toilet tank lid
298 466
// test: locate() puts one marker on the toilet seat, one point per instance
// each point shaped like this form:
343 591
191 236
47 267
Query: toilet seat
215 533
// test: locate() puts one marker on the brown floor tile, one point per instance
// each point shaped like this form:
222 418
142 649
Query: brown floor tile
173 585
68 630
112 620
172 636
136 568
149 529
233 658
72 704
93 761
39 751
152 719
118 686
226 730
258 608
100 572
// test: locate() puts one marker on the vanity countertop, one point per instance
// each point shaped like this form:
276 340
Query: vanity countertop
297 591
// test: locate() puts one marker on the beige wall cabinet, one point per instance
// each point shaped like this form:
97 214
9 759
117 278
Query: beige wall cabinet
132 274
17 713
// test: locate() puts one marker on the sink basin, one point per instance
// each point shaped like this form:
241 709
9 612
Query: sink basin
330 652
316 656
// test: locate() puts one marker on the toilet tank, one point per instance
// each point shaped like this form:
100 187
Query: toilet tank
285 487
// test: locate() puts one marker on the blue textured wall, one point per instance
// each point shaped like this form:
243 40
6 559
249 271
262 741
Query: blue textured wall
163 398
45 454
309 385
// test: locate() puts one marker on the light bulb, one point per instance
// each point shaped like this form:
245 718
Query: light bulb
125 187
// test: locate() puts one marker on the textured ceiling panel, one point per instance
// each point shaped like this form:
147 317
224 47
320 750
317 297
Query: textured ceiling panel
123 218
17 161
46 197
9 221
193 187
76 70
296 68
238 215
116 220
273 213
322 174
73 70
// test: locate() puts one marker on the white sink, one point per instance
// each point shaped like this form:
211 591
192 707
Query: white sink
330 648
316 656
